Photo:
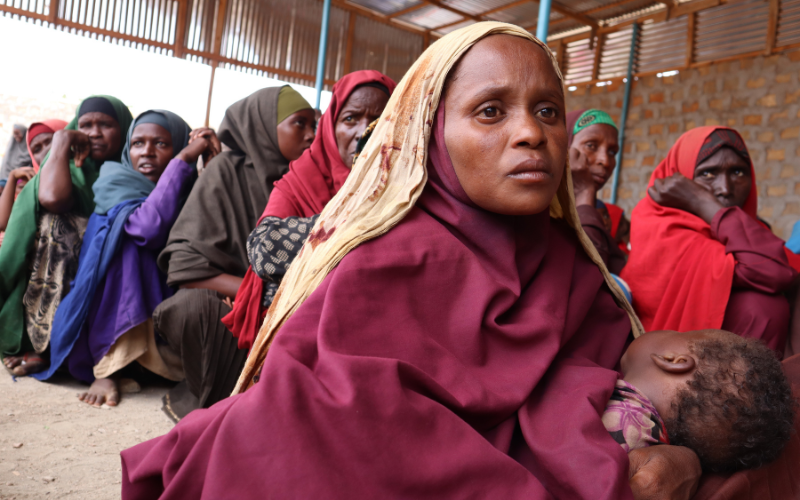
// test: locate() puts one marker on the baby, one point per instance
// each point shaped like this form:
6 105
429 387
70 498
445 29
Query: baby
721 395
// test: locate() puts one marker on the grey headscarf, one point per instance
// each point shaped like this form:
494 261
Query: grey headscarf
119 182
210 236
17 155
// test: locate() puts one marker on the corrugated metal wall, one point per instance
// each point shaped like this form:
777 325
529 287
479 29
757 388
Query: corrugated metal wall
279 38
276 38
727 31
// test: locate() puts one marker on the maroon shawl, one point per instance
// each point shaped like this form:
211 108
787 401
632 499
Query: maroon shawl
419 369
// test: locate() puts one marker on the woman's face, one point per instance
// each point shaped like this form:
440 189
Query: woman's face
599 143
727 176
363 107
151 150
104 134
296 133
40 145
504 126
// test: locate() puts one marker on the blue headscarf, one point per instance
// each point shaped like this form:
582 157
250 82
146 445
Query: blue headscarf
119 191
120 182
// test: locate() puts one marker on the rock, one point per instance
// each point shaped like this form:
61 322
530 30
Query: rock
48 479
17 445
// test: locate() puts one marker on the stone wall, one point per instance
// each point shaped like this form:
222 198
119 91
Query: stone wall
759 97
27 110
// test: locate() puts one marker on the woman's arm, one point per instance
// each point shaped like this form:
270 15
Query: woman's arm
274 244
149 225
9 193
226 284
761 262
55 181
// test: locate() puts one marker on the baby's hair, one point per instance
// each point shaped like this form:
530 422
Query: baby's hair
738 411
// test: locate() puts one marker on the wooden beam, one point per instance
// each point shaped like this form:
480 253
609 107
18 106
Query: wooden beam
598 53
180 29
772 27
52 14
691 7
210 91
447 25
426 40
506 6
402 12
690 36
581 18
351 35
380 18
258 67
619 3
222 15
466 15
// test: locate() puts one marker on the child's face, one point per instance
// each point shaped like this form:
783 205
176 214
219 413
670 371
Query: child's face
660 363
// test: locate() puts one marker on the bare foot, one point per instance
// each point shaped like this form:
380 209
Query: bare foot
102 390
26 364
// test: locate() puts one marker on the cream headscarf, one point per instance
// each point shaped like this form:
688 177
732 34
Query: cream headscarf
387 179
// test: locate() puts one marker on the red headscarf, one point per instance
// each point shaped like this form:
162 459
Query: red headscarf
436 361
46 126
312 181
680 276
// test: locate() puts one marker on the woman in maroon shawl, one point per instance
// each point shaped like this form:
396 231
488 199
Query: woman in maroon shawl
313 179
415 364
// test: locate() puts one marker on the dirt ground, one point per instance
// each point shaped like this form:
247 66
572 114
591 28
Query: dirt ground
69 449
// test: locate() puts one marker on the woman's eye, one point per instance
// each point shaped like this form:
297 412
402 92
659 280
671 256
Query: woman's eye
590 145
490 112
349 119
548 113
706 174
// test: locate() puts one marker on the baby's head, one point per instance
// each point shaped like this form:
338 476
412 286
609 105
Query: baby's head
724 396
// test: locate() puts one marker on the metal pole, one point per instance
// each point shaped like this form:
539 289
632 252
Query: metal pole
624 119
323 49
543 24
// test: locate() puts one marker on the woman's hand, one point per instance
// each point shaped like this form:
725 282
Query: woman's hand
663 472
582 181
24 173
74 144
685 194
202 141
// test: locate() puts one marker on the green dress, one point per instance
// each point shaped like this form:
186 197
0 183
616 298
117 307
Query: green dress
38 251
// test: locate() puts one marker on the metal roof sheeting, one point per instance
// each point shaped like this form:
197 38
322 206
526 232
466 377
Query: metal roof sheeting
280 38
731 30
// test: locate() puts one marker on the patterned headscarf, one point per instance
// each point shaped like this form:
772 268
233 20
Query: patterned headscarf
389 177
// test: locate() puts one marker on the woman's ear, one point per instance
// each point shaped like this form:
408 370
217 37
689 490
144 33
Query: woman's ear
675 364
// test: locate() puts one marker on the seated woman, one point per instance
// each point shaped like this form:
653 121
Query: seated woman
43 240
593 147
314 178
206 254
699 257
420 319
16 155
39 139
104 324
358 100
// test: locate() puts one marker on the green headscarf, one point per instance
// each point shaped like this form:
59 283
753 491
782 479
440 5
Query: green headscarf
18 243
290 102
592 117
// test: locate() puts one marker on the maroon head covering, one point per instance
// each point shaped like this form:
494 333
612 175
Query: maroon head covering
312 181
462 354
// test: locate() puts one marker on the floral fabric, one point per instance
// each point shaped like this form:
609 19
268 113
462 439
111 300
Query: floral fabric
632 420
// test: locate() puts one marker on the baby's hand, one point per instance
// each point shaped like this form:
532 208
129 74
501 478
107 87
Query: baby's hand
663 472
